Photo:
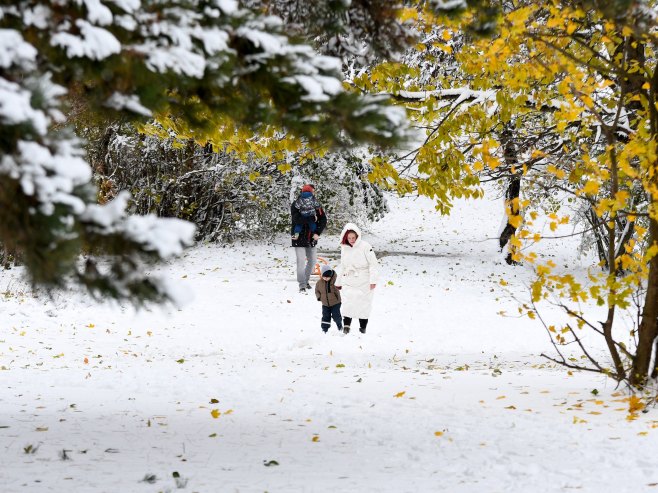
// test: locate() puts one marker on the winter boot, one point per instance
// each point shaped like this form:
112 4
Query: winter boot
362 330
346 329
302 290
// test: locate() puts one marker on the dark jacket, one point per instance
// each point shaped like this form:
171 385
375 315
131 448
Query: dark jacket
305 238
326 292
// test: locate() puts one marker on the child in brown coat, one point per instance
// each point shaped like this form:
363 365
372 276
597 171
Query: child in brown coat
326 292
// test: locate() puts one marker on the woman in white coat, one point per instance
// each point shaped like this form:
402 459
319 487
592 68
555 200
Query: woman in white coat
357 277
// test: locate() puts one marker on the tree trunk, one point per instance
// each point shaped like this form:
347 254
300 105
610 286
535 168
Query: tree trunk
648 326
625 230
513 192
511 205
600 236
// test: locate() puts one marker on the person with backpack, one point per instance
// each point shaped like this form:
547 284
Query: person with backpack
307 205
308 222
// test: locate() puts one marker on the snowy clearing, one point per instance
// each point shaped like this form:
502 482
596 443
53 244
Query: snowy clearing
240 391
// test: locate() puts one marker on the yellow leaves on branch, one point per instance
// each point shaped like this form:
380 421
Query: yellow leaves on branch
226 135
652 251
407 14
558 173
385 175
515 221
590 188
487 154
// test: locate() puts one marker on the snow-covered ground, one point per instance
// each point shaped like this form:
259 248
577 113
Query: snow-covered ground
240 391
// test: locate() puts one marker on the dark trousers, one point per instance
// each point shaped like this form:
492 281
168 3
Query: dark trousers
363 322
329 312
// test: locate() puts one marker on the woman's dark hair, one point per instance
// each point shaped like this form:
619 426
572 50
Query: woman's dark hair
344 240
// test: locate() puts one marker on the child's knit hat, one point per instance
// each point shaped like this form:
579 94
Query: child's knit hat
308 188
326 271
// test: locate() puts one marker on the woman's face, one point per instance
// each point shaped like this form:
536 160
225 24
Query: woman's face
351 237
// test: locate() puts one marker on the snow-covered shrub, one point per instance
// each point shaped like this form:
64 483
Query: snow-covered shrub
227 198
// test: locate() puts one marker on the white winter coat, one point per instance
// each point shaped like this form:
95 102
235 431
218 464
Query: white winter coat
358 270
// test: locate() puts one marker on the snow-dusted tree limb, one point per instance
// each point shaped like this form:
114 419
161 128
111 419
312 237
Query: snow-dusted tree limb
356 31
132 59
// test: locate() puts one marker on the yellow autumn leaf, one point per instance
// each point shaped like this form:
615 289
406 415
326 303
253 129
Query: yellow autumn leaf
407 14
438 433
400 394
635 404
651 252
591 188
554 22
315 438
215 413
515 221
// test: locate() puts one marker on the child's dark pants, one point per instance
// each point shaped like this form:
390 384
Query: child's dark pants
329 312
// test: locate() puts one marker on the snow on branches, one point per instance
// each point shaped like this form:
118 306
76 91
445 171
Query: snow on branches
131 58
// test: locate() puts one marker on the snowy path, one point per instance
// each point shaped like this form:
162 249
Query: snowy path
442 394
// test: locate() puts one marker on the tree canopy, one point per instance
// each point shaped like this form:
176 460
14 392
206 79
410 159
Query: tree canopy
558 104
193 61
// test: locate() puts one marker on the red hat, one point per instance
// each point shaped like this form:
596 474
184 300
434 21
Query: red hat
308 188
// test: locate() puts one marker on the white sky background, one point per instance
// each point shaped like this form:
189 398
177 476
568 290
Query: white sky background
129 394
